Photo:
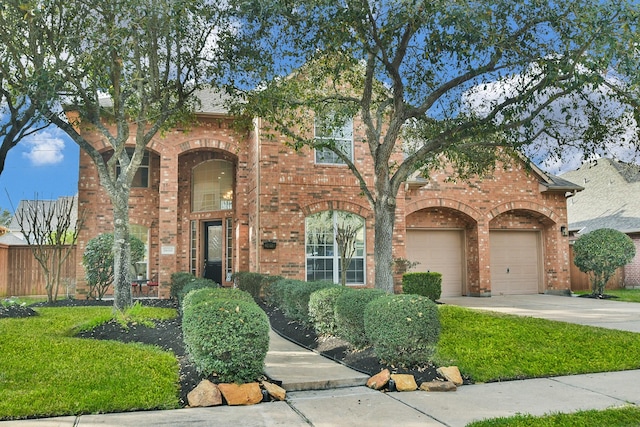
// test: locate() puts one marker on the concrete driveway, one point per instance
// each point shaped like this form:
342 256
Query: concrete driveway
609 314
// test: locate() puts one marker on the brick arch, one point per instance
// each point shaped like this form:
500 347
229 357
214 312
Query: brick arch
542 210
194 144
337 205
443 202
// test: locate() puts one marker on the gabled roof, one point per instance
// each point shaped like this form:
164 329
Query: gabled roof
611 198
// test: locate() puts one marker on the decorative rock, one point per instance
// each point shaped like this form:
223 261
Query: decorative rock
274 390
205 394
451 373
241 394
379 380
438 386
404 382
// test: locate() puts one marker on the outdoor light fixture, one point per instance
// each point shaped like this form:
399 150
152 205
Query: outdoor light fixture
564 231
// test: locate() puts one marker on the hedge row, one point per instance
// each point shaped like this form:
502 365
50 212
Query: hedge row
225 333
403 329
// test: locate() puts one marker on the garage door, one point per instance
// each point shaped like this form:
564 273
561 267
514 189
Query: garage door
515 262
439 251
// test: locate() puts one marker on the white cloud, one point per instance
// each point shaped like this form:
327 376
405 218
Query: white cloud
44 148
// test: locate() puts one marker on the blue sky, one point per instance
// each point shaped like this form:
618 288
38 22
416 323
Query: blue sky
43 165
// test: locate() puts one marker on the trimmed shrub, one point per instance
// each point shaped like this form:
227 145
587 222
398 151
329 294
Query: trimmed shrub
267 281
199 295
350 314
228 338
274 293
296 298
178 281
322 307
198 283
249 282
404 329
426 284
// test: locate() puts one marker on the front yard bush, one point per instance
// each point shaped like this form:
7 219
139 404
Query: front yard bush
197 296
350 314
228 338
249 282
274 292
404 329
178 281
296 298
426 284
322 307
197 283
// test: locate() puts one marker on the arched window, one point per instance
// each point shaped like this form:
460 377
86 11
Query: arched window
212 186
334 239
141 268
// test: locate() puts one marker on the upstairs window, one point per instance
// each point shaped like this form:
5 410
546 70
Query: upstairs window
339 135
212 186
141 178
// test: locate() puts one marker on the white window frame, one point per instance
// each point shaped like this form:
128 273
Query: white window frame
329 252
341 137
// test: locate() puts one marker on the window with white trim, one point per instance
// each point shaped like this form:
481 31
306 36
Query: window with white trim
323 257
141 268
338 135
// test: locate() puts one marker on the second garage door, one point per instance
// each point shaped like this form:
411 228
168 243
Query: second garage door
515 262
439 251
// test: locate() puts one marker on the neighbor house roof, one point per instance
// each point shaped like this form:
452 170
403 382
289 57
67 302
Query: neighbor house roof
610 197
42 207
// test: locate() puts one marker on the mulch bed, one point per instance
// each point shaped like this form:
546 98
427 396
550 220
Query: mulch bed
168 335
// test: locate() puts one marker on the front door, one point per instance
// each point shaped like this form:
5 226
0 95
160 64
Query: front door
213 251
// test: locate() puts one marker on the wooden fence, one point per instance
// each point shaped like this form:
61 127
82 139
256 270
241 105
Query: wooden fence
580 281
21 275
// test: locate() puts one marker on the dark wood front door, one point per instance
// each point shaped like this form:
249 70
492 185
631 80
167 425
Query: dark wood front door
213 251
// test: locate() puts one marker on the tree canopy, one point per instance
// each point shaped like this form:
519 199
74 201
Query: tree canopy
125 69
434 81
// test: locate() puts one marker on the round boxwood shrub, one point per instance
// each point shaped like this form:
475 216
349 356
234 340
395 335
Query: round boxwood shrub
296 298
274 293
228 338
403 329
197 296
350 314
178 281
426 284
198 283
249 281
322 307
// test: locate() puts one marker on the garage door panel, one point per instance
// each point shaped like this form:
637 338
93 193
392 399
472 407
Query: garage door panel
515 262
439 251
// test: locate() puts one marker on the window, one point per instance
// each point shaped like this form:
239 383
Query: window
141 178
141 268
229 249
326 131
212 186
323 251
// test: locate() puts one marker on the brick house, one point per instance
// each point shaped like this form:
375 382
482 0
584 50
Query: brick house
609 200
213 201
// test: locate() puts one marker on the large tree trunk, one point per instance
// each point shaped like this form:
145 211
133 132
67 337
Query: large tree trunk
123 298
385 210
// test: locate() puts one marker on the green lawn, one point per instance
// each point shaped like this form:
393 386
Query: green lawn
627 295
45 371
618 417
491 346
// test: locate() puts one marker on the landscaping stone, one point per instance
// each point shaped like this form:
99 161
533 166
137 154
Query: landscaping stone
451 373
274 390
404 382
438 386
205 394
241 394
379 380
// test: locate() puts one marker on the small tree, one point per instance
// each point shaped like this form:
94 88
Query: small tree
98 262
51 229
600 253
346 238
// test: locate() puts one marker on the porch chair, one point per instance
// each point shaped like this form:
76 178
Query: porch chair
153 285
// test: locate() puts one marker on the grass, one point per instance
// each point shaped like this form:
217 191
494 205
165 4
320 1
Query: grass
45 371
492 346
626 295
627 416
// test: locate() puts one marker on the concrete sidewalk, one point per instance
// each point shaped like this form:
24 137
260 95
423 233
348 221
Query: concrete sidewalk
306 374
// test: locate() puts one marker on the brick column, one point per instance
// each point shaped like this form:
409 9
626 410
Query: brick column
168 220
482 288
